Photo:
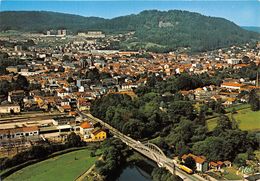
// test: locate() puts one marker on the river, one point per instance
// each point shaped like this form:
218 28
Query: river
137 171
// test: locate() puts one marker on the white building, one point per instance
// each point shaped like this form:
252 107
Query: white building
15 133
10 108
85 129
233 61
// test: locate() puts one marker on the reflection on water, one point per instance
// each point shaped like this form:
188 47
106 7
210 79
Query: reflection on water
133 173
137 171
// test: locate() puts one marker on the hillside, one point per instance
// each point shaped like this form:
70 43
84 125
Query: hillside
161 30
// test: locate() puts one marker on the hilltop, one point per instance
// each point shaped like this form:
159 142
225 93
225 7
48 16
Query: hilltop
154 30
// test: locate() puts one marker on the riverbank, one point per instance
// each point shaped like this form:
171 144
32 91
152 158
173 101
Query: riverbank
136 167
67 166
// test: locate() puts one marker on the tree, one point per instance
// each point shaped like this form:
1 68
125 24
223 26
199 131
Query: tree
22 82
190 162
66 58
233 120
70 80
61 69
181 108
92 154
113 157
73 140
240 160
254 100
93 74
219 108
161 174
151 81
38 152
245 59
211 148
223 124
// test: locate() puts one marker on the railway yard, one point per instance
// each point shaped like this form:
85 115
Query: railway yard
43 120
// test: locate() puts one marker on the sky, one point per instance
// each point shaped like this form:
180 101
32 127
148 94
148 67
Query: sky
243 13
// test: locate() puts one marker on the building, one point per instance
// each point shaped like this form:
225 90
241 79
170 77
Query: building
98 134
64 32
15 133
201 164
63 120
83 82
231 85
83 104
13 69
59 32
85 129
18 48
233 61
9 108
216 165
16 96
92 34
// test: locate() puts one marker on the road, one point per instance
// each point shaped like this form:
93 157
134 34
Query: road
166 162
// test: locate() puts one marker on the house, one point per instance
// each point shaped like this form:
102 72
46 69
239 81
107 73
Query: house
229 101
201 164
83 104
216 165
189 94
9 108
16 96
227 163
233 61
62 93
213 165
73 113
63 120
13 69
98 134
85 129
15 133
65 108
231 85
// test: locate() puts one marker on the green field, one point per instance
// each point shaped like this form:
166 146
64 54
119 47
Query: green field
63 167
246 119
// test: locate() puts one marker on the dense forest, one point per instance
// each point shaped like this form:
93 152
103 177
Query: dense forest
179 127
161 30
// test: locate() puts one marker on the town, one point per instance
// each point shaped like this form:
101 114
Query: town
49 81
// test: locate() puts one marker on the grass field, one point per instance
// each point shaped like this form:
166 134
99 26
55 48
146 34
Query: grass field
246 119
230 174
61 168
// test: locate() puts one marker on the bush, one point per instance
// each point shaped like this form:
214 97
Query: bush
92 154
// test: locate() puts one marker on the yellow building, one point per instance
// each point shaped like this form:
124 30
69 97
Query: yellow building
98 134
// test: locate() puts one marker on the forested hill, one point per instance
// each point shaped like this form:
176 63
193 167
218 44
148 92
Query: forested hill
165 30
41 21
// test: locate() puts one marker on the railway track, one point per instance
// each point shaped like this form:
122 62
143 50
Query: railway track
29 118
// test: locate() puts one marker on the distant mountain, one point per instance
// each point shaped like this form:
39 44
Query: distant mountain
252 28
154 30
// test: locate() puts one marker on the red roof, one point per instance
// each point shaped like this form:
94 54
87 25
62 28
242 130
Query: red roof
233 84
198 159
213 164
86 125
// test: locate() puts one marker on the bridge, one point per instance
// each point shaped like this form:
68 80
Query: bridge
147 149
